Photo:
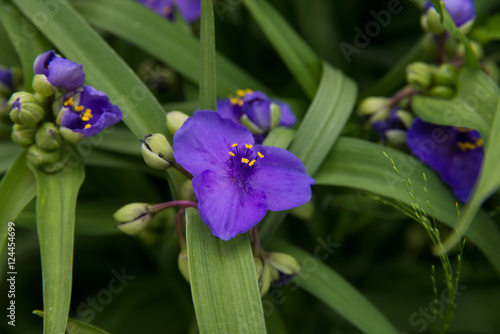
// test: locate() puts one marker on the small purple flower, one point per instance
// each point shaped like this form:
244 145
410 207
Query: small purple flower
87 111
189 9
60 72
392 127
455 153
6 80
461 11
234 181
257 107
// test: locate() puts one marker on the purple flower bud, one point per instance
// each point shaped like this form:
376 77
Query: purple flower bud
6 80
462 11
60 72
189 9
87 111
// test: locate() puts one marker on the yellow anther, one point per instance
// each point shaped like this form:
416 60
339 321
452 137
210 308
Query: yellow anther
85 118
480 142
234 100
260 155
248 145
240 92
240 102
87 126
231 154
248 91
464 146
79 108
234 145
69 102
244 160
462 129
251 163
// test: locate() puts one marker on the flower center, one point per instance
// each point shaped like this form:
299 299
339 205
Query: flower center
84 116
240 94
470 143
242 161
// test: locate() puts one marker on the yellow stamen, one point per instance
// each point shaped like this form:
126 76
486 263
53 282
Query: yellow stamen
462 129
234 100
240 92
260 155
87 126
248 145
244 160
251 163
480 142
234 145
85 118
69 102
231 154
240 103
464 146
248 91
79 108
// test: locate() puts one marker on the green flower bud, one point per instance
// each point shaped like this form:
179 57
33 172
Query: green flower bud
443 92
25 109
23 135
70 135
259 266
265 278
284 263
476 48
247 123
466 27
395 137
157 152
405 117
175 119
48 137
419 75
373 105
42 86
182 263
133 218
490 68
275 115
38 156
446 75
431 21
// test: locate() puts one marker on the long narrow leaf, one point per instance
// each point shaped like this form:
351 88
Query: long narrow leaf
77 327
55 219
208 89
223 281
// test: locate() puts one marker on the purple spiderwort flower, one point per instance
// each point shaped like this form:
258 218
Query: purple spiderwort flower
257 107
456 154
189 9
393 127
87 111
60 72
235 181
461 11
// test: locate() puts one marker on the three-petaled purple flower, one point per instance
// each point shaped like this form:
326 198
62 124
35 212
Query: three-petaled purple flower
87 111
461 11
60 72
235 181
455 153
255 106
189 9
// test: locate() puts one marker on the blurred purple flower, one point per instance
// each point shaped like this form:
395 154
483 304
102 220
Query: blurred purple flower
456 154
462 11
189 9
88 111
60 72
392 127
6 80
234 181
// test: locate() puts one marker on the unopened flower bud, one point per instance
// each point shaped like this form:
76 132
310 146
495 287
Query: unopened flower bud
175 119
284 263
157 152
38 156
247 123
395 137
373 105
48 137
476 48
463 13
490 68
446 75
133 218
265 278
23 135
182 263
275 115
405 117
442 92
70 135
42 86
431 21
419 75
25 109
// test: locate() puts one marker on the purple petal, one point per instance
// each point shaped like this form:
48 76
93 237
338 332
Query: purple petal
190 9
461 11
65 74
6 79
228 110
204 140
225 207
437 147
256 106
288 119
282 177
41 64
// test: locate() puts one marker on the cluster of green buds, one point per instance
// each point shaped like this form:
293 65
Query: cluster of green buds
435 81
274 269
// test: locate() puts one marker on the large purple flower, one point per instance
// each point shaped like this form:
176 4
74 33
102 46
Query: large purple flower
456 154
60 72
235 181
189 9
461 11
256 106
87 111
